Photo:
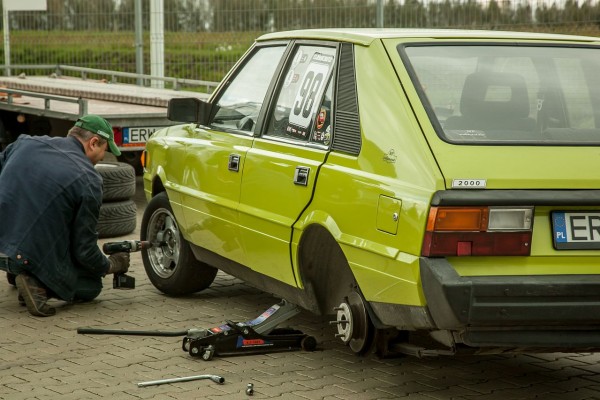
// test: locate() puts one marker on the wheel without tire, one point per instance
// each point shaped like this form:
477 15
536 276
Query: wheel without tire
118 180
172 267
354 324
117 218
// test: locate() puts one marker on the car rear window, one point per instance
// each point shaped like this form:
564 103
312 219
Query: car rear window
503 94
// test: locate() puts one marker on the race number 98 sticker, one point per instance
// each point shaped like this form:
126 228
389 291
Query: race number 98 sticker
311 90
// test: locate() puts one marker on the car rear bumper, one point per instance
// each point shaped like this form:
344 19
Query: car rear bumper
556 311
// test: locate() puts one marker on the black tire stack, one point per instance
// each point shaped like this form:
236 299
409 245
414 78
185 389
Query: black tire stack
118 212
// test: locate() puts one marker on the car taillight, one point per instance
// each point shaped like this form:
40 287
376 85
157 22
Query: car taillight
478 231
118 136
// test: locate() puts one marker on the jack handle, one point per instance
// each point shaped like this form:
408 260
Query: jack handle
95 331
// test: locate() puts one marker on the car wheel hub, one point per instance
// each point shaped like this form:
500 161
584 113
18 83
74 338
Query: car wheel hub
353 323
162 228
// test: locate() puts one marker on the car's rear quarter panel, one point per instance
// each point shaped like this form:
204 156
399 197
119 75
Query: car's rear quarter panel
395 162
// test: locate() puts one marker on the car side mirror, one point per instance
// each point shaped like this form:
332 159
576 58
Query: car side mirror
188 109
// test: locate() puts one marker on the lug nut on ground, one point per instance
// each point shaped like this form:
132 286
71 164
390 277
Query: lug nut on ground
250 389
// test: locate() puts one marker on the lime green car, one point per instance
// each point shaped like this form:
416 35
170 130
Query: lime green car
433 190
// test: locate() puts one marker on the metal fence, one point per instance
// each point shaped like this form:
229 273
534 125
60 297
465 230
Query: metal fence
204 38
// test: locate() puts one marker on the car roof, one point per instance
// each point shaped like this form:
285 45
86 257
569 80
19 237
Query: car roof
365 36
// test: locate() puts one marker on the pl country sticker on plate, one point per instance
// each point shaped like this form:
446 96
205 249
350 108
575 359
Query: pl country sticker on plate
576 230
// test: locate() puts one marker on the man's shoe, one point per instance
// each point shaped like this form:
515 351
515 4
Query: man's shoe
21 300
35 296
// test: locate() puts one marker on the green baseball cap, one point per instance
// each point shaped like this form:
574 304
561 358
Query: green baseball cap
100 127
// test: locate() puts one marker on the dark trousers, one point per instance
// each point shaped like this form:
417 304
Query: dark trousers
88 286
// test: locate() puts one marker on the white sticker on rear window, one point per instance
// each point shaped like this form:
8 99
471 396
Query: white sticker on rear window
310 91
469 183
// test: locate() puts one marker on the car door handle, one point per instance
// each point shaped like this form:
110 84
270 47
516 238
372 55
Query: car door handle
234 162
301 176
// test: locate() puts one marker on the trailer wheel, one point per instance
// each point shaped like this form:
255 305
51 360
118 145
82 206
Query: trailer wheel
118 180
171 266
117 218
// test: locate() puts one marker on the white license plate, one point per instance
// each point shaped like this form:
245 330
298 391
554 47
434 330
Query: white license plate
576 230
134 136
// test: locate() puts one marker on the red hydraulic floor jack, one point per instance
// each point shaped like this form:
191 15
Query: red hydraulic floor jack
260 335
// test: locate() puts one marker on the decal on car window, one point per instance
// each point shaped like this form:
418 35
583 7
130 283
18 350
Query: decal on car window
309 94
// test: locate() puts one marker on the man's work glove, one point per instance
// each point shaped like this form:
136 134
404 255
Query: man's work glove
119 263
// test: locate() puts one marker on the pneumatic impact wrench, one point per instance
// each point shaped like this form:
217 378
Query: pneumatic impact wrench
123 281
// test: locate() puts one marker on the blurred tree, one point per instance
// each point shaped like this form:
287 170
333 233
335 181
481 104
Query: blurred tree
524 14
414 14
570 11
175 16
548 15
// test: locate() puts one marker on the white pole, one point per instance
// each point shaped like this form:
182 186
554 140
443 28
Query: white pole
157 42
379 15
6 41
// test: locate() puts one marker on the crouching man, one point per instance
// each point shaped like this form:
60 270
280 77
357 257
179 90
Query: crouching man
50 198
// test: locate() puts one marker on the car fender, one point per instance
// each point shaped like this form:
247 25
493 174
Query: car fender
381 283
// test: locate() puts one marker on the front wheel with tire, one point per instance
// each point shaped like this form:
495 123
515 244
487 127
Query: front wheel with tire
170 264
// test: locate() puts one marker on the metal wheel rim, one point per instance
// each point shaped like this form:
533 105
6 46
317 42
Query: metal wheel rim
162 227
360 339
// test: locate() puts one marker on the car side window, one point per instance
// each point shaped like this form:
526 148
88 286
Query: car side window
303 107
239 105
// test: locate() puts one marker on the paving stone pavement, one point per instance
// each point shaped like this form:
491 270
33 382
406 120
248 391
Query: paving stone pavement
45 358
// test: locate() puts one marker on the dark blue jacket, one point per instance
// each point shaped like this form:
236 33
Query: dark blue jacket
50 197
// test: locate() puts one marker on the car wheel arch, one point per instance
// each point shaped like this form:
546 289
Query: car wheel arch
157 185
323 269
